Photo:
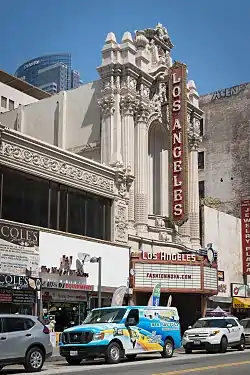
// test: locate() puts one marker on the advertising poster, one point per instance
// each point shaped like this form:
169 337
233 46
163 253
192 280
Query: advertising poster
19 250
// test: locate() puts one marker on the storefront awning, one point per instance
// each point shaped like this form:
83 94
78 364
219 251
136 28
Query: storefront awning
221 299
241 303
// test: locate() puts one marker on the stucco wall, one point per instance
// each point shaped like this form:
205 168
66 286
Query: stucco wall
224 232
42 119
227 146
15 95
83 116
10 119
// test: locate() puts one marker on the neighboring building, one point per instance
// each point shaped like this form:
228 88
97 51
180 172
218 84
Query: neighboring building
224 159
125 122
52 73
15 92
56 207
224 231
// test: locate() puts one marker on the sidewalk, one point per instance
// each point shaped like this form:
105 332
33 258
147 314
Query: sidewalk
56 356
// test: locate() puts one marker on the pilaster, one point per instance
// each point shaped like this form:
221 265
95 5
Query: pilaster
141 166
194 139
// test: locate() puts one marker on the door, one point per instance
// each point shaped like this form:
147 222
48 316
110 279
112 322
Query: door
236 331
132 345
15 337
234 335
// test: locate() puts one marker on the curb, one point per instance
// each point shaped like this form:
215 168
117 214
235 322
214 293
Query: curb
58 358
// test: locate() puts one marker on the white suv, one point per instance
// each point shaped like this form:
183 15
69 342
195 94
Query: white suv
214 334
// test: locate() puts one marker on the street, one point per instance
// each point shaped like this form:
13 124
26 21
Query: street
231 363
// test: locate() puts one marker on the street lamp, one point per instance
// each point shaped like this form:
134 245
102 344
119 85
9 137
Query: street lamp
99 261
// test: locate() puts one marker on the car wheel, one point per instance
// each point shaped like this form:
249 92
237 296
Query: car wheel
188 351
131 357
241 346
113 353
34 360
73 361
223 345
168 349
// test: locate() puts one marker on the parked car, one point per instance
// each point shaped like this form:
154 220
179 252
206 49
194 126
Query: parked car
246 324
214 334
117 332
25 340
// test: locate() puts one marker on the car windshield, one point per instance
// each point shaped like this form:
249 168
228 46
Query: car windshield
105 316
245 323
209 323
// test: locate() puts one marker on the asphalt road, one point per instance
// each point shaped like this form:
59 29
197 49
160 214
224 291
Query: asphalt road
232 363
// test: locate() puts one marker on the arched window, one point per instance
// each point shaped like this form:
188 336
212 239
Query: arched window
158 169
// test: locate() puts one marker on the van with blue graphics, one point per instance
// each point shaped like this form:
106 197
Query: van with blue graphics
118 332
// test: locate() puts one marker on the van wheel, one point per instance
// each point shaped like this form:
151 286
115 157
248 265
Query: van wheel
34 360
73 361
223 345
168 349
113 353
131 357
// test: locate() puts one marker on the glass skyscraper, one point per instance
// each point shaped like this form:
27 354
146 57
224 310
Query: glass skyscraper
51 73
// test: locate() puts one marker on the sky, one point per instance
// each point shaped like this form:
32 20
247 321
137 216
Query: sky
210 36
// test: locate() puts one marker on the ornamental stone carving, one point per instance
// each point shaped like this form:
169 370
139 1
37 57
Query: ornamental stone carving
121 222
128 105
107 105
211 202
123 181
194 137
44 164
164 236
143 112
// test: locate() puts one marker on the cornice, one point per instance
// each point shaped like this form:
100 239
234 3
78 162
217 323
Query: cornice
198 113
35 157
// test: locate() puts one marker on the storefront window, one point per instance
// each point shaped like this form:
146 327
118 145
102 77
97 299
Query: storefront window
77 212
25 198
31 200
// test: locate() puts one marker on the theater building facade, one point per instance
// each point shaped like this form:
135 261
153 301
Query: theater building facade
140 125
153 114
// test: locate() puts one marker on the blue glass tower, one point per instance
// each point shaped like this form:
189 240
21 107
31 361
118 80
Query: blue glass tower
52 73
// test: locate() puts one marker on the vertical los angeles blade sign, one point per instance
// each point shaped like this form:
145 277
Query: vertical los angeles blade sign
179 143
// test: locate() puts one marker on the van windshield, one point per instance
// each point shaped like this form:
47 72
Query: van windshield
105 316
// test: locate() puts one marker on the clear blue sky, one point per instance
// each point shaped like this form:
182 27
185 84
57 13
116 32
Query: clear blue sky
211 36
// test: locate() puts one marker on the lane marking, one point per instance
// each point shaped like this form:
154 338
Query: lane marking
197 369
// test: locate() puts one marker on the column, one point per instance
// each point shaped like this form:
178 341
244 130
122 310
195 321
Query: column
127 106
194 220
141 170
107 105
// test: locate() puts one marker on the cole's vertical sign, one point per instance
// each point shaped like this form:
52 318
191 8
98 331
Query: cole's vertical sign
179 145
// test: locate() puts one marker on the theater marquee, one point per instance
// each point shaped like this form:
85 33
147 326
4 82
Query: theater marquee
179 143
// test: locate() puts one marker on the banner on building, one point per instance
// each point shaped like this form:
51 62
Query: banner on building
245 234
19 250
154 300
118 296
179 143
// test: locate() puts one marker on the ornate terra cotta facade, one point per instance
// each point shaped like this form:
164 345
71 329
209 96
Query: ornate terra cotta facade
139 113
135 135
32 156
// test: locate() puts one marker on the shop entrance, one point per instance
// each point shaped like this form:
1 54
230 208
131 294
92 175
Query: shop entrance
65 314
188 305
